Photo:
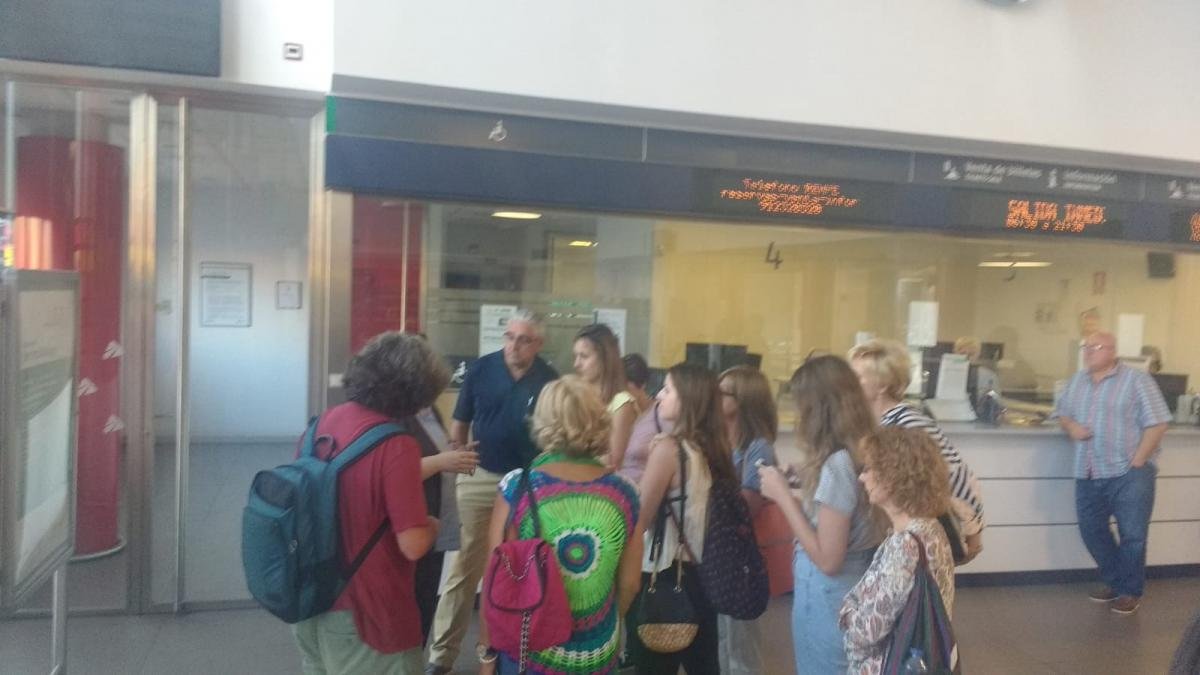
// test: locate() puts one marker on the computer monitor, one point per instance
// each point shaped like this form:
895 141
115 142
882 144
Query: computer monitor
1172 386
716 357
655 380
931 361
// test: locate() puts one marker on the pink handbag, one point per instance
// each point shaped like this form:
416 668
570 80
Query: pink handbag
524 600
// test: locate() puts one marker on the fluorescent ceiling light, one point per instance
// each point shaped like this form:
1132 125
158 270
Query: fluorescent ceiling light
517 215
1013 263
582 243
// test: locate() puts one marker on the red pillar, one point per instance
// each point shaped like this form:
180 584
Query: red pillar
377 298
67 226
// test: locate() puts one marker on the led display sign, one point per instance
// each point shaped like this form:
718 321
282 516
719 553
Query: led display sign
1185 226
790 197
1033 215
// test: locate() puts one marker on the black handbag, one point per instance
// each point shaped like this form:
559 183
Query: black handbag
666 618
958 549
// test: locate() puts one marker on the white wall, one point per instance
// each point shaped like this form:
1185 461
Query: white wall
1036 312
247 203
253 33
1103 75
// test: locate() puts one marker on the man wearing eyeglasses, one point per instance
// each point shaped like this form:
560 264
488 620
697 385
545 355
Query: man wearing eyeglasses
494 405
1116 416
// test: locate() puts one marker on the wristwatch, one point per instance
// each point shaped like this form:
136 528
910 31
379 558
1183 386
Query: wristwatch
485 653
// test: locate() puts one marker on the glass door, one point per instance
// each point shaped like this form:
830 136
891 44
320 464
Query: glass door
66 181
246 318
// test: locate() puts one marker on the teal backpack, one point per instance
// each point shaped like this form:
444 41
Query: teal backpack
291 547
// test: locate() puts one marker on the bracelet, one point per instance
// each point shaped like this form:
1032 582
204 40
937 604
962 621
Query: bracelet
485 653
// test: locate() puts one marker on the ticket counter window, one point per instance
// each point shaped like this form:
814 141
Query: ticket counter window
773 293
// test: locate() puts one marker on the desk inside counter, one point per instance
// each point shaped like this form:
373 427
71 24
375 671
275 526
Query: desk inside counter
1026 475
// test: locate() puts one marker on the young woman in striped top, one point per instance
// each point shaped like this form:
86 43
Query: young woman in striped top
884 368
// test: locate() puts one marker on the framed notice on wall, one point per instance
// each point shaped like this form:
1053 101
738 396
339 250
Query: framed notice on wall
225 294
39 342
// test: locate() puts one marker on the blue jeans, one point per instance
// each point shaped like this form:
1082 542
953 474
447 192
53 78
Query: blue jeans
1129 499
816 601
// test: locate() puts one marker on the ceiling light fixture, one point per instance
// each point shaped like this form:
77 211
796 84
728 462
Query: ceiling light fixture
517 215
1006 264
582 243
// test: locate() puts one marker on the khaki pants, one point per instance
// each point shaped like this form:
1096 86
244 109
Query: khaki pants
329 645
475 495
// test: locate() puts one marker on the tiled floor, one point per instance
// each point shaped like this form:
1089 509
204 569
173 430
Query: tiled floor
1050 629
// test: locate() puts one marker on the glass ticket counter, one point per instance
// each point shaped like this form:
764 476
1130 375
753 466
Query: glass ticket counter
774 294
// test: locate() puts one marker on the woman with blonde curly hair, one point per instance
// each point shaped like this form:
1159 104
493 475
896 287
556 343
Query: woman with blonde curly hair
588 515
904 475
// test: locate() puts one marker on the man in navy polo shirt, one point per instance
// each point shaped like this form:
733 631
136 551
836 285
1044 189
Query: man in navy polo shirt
496 400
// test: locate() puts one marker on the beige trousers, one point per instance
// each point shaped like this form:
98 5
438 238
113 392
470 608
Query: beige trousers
476 494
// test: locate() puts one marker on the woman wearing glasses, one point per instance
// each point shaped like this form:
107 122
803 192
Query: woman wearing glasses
751 423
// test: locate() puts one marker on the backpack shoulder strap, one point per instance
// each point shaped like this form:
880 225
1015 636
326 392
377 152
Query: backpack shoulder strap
361 446
308 443
366 442
524 486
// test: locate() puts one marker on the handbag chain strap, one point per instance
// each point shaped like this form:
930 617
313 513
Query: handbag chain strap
523 662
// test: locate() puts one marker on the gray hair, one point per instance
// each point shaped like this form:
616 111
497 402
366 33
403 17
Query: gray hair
535 320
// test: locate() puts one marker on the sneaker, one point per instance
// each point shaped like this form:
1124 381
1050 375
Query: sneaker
1102 594
1126 604
435 669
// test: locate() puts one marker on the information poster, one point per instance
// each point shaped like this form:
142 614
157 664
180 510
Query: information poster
493 321
38 440
225 295
615 318
1130 331
44 405
922 323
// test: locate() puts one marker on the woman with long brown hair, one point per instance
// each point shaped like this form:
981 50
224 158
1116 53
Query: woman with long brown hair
598 361
835 530
690 401
751 424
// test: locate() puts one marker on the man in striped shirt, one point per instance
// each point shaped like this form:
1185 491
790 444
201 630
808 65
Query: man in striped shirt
1117 417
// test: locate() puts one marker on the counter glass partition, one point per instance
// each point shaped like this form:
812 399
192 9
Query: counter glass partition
779 292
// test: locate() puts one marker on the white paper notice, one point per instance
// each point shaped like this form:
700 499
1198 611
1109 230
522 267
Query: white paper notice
47 388
493 320
922 323
225 294
615 319
1130 330
952 377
